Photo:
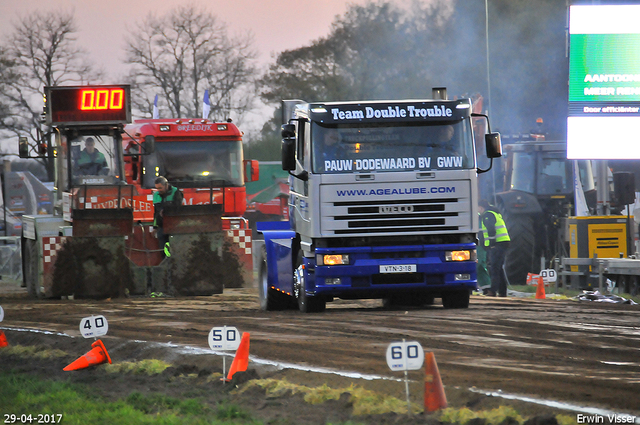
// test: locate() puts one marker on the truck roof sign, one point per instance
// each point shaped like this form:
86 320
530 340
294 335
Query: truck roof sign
87 105
345 113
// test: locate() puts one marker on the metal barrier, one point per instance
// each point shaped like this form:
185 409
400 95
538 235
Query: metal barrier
598 268
10 257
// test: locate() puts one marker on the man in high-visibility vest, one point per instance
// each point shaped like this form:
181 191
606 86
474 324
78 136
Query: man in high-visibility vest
165 195
496 241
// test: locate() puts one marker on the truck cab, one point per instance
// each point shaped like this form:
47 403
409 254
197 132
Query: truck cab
383 204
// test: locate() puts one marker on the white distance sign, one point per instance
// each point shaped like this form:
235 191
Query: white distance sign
94 326
405 355
224 338
549 276
1 314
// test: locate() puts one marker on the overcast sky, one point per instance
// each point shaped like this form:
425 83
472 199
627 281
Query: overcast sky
277 25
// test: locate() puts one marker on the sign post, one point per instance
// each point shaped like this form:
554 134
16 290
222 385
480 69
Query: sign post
225 338
405 356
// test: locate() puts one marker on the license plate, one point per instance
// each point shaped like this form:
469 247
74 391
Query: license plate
399 268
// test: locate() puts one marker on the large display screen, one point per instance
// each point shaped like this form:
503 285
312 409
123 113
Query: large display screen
604 82
88 105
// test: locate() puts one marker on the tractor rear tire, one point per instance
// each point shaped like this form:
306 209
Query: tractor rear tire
523 254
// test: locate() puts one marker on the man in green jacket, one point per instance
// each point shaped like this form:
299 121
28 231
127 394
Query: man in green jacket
91 161
165 195
496 241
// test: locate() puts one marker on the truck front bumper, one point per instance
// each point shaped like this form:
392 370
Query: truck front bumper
416 268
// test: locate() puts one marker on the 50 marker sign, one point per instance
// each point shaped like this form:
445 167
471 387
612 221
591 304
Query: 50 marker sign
224 338
405 355
94 326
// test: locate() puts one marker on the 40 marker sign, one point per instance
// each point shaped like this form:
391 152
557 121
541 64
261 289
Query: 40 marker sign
94 326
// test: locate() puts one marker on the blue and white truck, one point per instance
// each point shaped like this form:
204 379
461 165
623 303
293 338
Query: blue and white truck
382 204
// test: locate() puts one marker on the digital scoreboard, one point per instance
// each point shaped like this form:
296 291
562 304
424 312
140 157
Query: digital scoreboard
604 82
86 105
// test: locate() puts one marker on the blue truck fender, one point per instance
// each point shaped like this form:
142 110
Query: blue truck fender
278 239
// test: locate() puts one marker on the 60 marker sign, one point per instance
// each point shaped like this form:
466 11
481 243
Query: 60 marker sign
405 355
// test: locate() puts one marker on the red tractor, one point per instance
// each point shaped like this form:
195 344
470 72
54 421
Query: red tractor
205 160
98 241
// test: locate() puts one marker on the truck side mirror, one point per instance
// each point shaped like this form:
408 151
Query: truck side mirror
149 144
288 131
288 147
23 147
289 154
493 145
251 170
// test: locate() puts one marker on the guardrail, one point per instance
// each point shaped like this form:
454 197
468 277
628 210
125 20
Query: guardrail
598 268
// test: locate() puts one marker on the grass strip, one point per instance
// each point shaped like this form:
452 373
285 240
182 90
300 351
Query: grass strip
32 396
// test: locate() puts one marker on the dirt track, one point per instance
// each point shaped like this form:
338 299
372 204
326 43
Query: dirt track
580 353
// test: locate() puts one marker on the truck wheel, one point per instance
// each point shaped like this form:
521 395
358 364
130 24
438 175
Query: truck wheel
457 299
31 269
523 254
270 299
306 304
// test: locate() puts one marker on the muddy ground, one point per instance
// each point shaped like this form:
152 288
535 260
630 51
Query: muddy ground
585 355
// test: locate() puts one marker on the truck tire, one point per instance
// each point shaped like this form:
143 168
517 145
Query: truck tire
270 299
523 254
31 269
306 304
456 299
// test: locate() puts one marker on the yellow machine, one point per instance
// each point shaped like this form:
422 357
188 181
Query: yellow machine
604 237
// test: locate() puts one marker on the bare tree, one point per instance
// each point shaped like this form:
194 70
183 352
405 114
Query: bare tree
185 52
41 51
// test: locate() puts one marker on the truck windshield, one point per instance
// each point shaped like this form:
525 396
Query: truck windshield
191 162
94 160
353 148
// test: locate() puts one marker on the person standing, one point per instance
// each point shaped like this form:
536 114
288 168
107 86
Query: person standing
484 280
165 195
496 241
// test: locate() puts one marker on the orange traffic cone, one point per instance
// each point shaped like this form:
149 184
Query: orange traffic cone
96 356
540 294
434 396
3 340
241 360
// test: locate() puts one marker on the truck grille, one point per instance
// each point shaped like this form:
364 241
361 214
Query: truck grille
417 215
389 208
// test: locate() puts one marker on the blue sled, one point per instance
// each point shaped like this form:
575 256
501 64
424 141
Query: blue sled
400 274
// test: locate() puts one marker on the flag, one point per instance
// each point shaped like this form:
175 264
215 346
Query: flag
206 105
580 201
156 114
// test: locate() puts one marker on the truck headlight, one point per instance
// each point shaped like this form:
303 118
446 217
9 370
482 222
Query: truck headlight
465 255
332 259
